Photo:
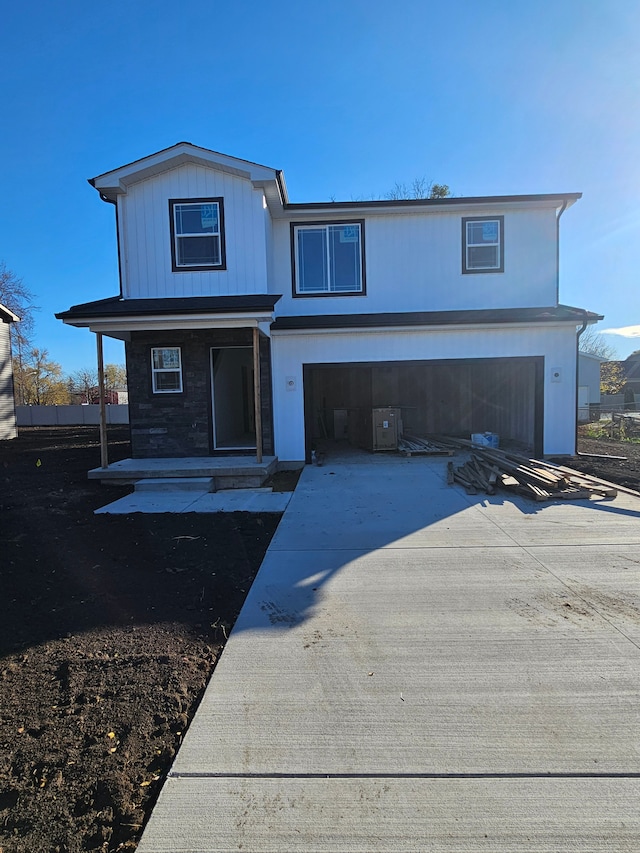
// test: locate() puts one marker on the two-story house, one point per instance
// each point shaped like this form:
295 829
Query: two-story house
249 321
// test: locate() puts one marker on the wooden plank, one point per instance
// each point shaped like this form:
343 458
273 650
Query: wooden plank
104 452
597 480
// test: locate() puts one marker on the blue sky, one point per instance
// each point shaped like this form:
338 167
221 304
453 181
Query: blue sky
346 97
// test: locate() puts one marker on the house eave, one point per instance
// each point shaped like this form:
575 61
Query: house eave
116 182
165 322
430 320
7 315
513 202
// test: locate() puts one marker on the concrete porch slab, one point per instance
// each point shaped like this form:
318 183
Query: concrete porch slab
172 484
233 500
130 470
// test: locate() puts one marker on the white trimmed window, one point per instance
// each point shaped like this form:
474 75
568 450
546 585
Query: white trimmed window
328 258
482 244
197 234
166 370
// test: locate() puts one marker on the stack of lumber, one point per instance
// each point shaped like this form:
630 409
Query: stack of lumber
412 445
534 478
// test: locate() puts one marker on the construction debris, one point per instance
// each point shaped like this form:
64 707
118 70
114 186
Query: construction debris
414 445
488 469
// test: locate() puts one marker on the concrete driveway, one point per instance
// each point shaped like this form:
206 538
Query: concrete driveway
419 670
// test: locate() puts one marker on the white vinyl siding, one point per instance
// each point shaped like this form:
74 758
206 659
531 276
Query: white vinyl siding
7 406
145 236
413 263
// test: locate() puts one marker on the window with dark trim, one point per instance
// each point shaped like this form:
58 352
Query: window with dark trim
483 244
328 258
197 234
166 370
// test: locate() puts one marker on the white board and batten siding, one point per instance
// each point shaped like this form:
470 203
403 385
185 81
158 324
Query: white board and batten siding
413 262
7 402
555 343
145 236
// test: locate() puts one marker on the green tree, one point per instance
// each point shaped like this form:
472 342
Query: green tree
38 380
612 377
115 376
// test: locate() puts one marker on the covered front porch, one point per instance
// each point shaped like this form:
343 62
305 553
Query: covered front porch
199 381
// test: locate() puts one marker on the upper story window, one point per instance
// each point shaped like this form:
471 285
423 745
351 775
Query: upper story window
166 370
197 234
328 258
482 244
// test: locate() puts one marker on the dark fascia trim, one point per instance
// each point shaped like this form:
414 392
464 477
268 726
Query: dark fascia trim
434 202
328 293
219 200
282 189
472 271
115 306
559 314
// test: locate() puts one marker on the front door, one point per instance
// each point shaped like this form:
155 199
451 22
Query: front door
232 398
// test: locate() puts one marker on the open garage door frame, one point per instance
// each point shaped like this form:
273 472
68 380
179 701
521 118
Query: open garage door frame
503 395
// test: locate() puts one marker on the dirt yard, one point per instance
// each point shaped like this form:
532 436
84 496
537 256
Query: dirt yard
110 627
624 471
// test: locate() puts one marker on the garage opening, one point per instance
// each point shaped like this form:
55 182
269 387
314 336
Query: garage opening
447 397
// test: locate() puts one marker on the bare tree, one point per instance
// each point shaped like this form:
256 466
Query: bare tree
418 188
592 342
83 382
18 298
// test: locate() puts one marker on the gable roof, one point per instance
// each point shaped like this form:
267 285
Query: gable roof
115 182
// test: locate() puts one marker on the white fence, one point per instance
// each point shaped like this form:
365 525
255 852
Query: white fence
69 415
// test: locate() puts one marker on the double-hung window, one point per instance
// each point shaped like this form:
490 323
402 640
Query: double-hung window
483 244
328 258
197 234
166 370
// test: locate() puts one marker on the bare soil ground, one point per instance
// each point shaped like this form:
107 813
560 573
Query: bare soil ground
624 471
110 627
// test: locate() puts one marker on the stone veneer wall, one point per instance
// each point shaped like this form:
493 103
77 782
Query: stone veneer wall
179 425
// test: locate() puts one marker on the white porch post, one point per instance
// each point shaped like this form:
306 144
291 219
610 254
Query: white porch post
257 399
104 456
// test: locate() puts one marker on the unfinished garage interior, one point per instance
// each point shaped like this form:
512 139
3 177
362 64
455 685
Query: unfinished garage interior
444 397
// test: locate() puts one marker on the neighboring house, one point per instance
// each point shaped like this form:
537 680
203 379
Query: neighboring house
7 400
91 396
589 386
631 368
445 308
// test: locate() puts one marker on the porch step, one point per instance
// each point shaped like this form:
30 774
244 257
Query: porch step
175 484
225 472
